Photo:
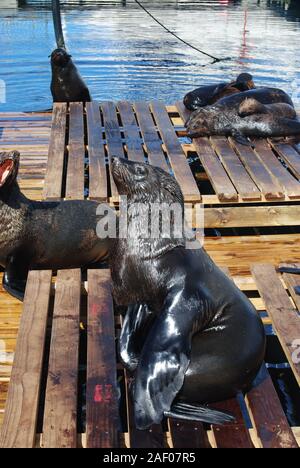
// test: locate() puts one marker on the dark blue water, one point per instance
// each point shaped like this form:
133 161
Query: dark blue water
123 54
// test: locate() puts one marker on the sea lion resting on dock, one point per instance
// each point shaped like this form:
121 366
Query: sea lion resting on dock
207 95
43 235
67 84
261 112
196 338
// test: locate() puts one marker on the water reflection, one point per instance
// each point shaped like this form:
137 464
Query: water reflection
123 54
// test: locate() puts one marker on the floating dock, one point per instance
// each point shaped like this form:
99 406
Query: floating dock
64 381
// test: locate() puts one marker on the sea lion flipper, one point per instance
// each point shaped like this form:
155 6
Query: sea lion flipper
187 412
251 106
164 361
134 328
241 139
14 279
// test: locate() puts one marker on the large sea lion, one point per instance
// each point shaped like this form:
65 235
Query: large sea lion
43 235
206 95
67 84
263 112
196 338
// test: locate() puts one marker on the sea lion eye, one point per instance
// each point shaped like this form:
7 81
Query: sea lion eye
140 171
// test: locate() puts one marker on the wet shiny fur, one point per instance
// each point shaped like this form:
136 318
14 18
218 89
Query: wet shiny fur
43 235
195 338
206 95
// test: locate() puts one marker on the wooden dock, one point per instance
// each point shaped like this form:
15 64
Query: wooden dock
66 155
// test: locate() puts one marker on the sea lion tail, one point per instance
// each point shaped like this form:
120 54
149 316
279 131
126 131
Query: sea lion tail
58 25
187 412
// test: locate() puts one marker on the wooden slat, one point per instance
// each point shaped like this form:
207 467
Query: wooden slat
234 434
75 171
19 426
188 435
237 173
98 189
217 175
268 417
252 216
102 406
179 163
290 156
285 318
151 139
56 153
131 131
266 183
292 281
60 414
113 138
289 185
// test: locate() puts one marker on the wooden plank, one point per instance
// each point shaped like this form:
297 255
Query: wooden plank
131 132
60 414
186 434
56 153
113 138
151 139
234 434
217 175
292 281
102 405
268 417
20 419
178 161
264 181
98 189
235 169
289 185
252 216
285 318
290 156
75 171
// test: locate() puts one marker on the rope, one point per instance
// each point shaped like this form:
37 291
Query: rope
215 59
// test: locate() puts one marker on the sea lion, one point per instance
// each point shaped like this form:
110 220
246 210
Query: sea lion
67 85
255 113
43 235
195 338
206 95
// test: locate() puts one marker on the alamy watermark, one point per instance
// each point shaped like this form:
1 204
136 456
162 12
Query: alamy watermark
2 92
153 221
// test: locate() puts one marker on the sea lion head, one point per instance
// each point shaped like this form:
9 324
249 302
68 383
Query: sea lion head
245 81
202 122
9 166
141 182
60 57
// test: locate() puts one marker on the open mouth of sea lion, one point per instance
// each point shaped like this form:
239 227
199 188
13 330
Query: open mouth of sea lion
8 164
60 57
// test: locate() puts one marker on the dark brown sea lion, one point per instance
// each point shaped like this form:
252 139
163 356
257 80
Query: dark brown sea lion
256 113
196 338
206 95
67 85
43 235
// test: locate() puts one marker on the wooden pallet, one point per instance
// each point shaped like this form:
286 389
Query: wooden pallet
66 177
224 175
44 383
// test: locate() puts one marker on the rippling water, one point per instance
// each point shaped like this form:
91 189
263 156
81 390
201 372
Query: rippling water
123 54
